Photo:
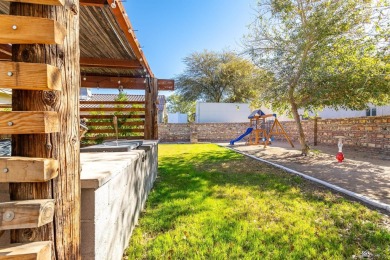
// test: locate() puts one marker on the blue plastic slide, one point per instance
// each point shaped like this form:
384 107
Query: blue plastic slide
247 132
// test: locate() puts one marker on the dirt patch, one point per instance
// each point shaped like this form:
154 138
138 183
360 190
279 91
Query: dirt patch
364 171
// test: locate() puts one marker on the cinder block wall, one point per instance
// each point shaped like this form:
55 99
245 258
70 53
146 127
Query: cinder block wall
110 212
362 131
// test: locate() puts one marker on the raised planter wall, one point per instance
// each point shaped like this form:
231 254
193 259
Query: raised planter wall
371 132
114 188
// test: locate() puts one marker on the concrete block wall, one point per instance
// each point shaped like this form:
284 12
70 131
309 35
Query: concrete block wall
110 211
373 132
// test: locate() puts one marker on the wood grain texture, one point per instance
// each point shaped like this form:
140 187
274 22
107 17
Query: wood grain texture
128 109
41 2
111 102
113 137
29 76
110 116
30 30
166 84
26 214
28 251
110 63
112 131
63 146
138 123
151 126
29 122
27 169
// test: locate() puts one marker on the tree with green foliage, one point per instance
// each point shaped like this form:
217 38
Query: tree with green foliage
219 77
179 104
322 53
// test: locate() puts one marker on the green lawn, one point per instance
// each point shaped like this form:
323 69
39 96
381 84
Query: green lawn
211 203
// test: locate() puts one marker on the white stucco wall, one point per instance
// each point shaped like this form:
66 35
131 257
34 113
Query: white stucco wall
222 112
343 113
177 118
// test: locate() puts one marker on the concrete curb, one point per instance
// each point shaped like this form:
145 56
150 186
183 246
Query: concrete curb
360 197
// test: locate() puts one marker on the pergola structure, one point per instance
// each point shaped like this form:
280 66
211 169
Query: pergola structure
48 50
110 55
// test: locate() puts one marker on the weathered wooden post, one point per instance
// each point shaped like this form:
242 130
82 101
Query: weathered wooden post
151 125
62 145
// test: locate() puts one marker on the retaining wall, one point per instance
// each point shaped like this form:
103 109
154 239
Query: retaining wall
114 188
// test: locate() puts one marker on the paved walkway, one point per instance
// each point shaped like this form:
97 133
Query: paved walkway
364 171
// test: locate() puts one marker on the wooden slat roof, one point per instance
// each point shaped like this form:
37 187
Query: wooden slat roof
111 97
106 34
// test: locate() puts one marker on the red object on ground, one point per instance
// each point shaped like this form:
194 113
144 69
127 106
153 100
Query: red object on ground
340 156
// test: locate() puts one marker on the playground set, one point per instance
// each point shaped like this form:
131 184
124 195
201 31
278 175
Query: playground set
259 131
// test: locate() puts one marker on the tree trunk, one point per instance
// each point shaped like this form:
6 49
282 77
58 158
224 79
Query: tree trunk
63 146
302 137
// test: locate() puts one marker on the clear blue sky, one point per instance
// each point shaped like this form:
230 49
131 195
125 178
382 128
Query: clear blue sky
169 30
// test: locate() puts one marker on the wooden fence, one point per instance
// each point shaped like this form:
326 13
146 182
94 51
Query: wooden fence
100 114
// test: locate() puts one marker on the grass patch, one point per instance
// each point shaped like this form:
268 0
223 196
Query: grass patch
211 203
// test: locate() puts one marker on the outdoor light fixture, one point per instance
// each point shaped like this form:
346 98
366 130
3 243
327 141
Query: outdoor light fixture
113 5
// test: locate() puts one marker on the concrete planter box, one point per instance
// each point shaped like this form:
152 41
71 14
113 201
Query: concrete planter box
114 188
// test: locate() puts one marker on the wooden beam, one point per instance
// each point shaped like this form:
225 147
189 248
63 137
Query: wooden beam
108 137
166 84
29 122
83 102
112 82
151 130
112 131
6 49
93 2
28 251
93 81
41 2
30 30
64 145
27 169
137 123
110 63
4 56
29 76
110 116
26 213
113 109
124 23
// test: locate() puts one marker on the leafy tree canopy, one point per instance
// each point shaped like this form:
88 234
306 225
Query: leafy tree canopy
322 53
179 104
219 77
